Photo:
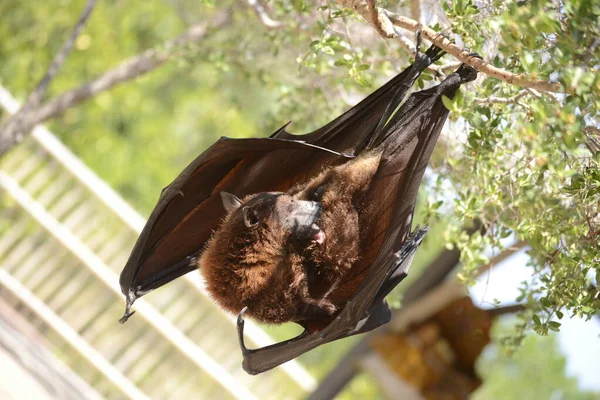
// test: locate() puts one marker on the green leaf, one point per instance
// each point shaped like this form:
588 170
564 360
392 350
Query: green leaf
328 50
448 103
554 326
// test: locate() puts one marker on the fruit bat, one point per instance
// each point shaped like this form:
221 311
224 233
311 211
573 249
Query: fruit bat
292 175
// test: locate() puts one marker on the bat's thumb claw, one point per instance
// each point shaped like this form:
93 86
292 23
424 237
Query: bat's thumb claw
240 318
128 313
240 329
125 317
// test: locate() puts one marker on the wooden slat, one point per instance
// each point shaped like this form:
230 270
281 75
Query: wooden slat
94 264
19 251
64 330
67 207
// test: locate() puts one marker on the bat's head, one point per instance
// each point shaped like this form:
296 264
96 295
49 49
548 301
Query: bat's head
277 217
251 248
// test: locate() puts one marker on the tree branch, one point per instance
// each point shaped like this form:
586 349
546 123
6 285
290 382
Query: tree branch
593 135
40 91
501 100
264 16
13 131
14 126
477 63
503 255
499 311
380 22
385 19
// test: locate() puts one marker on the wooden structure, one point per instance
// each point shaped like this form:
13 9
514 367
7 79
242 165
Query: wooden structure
64 238
430 294
437 356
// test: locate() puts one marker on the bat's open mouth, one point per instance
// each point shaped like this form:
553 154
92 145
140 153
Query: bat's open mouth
307 222
318 235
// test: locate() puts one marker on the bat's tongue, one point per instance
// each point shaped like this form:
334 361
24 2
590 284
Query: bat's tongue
319 236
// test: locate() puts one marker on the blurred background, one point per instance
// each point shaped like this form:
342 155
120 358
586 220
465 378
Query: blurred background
74 195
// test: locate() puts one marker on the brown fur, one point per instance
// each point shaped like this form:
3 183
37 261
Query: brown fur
268 269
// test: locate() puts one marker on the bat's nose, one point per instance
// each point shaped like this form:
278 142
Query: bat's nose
304 218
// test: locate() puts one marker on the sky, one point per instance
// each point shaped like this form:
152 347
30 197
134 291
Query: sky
579 339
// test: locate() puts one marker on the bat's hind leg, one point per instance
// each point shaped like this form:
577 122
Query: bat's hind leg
260 360
367 309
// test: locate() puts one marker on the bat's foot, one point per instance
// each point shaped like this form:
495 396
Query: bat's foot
418 41
467 73
256 361
431 55
474 55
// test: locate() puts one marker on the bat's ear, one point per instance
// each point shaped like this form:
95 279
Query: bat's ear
230 202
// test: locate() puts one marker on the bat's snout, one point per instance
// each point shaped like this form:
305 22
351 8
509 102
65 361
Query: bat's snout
304 219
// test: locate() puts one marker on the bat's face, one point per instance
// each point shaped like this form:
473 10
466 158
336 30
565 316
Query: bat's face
249 259
267 214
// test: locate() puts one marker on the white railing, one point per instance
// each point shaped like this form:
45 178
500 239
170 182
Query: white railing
68 221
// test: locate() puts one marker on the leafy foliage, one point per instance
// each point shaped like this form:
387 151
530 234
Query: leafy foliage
526 168
519 375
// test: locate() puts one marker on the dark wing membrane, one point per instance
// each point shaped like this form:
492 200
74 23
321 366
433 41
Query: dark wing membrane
407 142
351 131
364 312
189 209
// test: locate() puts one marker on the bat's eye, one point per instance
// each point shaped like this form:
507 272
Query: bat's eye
317 195
250 217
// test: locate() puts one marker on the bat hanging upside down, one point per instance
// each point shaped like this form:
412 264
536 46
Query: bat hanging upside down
322 232
283 255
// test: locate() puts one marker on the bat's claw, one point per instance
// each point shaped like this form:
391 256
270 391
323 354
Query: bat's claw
431 55
240 329
128 313
126 316
474 55
240 318
418 41
467 73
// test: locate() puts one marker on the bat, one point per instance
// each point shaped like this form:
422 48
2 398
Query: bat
399 137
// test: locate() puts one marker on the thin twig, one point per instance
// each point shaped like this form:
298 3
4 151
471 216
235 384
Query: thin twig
13 127
512 309
593 138
592 130
501 100
127 70
11 133
415 10
264 17
503 255
406 42
386 19
40 91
